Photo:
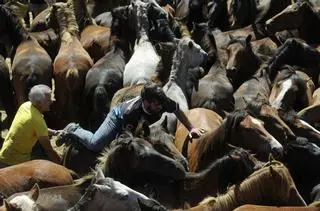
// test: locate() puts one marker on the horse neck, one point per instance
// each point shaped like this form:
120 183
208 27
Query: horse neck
67 24
212 144
179 73
207 182
81 13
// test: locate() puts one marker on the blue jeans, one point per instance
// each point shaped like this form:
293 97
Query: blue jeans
105 134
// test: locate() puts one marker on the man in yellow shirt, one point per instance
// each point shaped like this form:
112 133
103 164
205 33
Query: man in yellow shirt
27 127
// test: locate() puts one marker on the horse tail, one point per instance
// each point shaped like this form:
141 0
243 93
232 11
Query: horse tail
30 81
100 98
72 77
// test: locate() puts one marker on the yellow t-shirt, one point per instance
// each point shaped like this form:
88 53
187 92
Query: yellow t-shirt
28 124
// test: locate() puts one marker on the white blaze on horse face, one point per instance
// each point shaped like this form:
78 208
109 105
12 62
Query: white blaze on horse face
274 142
309 126
285 87
23 202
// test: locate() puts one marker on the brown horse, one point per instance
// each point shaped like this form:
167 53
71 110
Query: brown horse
23 176
31 63
291 90
94 38
253 96
271 185
311 113
70 66
238 129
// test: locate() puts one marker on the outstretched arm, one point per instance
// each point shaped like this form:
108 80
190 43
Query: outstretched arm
194 132
52 154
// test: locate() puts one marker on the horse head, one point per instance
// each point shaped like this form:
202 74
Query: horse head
289 90
138 156
272 121
162 141
251 134
290 18
23 202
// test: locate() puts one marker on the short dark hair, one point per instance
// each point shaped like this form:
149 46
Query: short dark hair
152 91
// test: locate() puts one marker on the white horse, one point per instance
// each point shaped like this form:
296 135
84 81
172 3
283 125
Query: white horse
108 194
188 56
144 62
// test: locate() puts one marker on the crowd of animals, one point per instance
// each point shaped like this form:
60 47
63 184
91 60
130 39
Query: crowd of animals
247 71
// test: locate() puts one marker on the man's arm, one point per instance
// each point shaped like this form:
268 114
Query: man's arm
52 132
194 132
45 143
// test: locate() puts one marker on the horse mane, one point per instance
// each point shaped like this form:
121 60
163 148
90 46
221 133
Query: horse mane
82 16
251 187
254 106
107 155
67 20
178 58
220 138
15 29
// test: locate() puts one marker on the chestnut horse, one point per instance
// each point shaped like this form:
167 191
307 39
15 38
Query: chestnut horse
94 38
271 185
70 66
239 129
22 177
31 63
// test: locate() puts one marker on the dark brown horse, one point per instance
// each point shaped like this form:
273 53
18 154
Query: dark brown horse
271 185
239 129
301 16
22 177
70 66
241 62
102 81
232 168
137 156
31 64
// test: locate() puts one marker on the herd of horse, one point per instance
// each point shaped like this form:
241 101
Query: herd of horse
246 71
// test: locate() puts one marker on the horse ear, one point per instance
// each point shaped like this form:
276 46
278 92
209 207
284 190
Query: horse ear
99 174
34 192
248 39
